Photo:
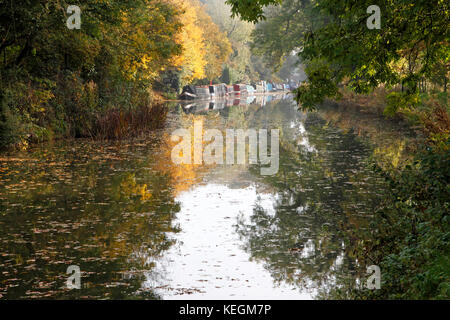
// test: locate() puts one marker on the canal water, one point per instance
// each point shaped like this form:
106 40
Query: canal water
141 227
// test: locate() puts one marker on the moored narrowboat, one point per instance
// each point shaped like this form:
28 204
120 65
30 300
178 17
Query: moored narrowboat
240 89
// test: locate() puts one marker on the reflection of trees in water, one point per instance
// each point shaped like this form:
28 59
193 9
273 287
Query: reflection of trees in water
110 215
392 139
324 190
110 210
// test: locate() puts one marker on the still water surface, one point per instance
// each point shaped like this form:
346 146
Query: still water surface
141 227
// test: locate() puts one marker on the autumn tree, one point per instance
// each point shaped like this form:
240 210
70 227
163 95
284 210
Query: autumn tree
238 32
56 80
192 61
218 47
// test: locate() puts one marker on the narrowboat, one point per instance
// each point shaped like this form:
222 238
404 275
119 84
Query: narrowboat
188 93
218 91
195 93
240 89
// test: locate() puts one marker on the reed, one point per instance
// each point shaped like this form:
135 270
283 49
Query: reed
118 124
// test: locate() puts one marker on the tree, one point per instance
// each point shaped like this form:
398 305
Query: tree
239 34
252 11
217 46
340 46
58 80
192 61
281 33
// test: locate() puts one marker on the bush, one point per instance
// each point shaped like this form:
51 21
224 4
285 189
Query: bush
409 237
9 127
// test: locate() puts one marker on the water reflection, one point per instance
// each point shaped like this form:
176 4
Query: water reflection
324 190
220 104
141 227
88 205
295 226
208 261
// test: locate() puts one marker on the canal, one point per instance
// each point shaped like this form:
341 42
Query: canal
141 227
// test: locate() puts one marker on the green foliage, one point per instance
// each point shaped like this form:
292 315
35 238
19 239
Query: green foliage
241 61
397 101
9 124
251 10
411 238
226 78
319 86
410 49
281 33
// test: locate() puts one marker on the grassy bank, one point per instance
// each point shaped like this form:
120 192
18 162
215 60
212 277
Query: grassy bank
409 236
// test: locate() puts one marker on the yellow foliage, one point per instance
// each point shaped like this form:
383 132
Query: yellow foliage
193 59
183 176
218 47
205 47
129 187
146 46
